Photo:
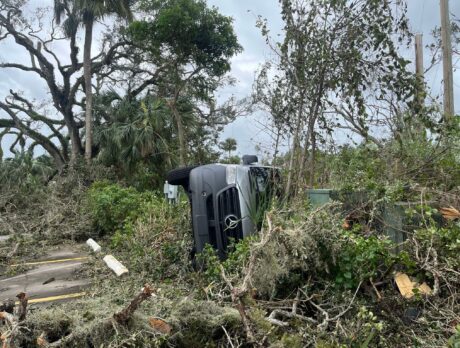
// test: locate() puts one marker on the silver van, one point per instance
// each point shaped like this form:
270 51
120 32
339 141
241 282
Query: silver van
227 200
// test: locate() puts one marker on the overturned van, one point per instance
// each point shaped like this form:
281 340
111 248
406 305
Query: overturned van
227 200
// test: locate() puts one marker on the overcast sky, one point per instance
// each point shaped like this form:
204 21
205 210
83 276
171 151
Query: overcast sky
423 15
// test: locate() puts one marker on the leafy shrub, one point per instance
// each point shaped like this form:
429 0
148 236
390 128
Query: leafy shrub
113 206
357 168
156 240
362 258
238 254
151 235
454 341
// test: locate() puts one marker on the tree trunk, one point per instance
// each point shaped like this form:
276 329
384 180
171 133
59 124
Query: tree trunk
312 158
277 141
296 143
88 90
180 135
303 159
75 141
293 153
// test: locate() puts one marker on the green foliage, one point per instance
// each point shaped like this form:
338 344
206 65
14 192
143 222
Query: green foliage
445 239
228 145
24 179
114 207
152 235
157 241
362 258
201 35
137 138
370 326
357 168
138 131
429 162
237 256
231 160
24 172
454 340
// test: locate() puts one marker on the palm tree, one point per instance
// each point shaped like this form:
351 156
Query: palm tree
85 12
228 145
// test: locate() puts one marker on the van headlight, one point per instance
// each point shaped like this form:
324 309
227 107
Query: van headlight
230 175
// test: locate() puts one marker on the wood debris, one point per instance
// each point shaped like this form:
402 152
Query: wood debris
120 318
123 316
160 325
406 286
450 213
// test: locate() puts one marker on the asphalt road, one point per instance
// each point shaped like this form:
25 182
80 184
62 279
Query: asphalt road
51 279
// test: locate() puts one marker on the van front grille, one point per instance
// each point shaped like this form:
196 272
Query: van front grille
229 215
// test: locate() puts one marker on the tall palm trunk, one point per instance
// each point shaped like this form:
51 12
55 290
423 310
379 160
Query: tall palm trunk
181 136
180 132
88 90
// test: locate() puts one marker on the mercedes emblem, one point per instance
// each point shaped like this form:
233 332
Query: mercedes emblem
231 221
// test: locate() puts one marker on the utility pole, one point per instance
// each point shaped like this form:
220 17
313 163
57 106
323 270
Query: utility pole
447 61
419 71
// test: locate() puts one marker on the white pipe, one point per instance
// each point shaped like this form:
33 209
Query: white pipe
93 245
115 265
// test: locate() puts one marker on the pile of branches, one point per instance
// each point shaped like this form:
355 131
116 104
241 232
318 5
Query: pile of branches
288 294
53 210
17 332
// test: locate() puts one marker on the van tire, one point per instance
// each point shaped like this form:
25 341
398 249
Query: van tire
180 176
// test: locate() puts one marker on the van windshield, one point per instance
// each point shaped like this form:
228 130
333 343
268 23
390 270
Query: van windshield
263 178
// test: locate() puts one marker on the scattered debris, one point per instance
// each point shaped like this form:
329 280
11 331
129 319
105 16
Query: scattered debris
160 325
93 245
13 251
12 321
123 316
52 279
406 286
450 213
7 306
115 265
120 318
22 309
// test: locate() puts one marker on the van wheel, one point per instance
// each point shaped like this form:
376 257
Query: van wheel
180 176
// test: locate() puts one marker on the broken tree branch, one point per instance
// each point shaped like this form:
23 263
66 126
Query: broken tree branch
123 316
22 310
238 293
120 318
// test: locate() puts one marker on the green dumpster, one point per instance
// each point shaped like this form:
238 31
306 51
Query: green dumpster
319 197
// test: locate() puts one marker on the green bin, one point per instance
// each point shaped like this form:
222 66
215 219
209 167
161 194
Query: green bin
319 197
